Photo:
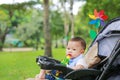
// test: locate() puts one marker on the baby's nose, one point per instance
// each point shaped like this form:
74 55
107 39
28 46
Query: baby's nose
70 51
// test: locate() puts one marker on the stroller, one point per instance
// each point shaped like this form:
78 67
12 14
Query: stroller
107 66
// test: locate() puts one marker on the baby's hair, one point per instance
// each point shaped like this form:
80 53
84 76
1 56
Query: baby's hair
81 40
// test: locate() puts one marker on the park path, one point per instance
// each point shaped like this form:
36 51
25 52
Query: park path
17 49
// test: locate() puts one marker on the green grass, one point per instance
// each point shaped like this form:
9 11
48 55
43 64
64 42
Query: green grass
22 65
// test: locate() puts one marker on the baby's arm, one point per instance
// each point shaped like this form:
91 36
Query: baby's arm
41 75
81 64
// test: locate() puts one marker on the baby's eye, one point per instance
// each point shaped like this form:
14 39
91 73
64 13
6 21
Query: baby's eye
68 48
74 49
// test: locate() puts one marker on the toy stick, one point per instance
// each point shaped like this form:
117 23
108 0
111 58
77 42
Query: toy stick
65 61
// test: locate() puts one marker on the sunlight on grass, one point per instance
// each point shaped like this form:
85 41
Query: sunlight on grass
22 65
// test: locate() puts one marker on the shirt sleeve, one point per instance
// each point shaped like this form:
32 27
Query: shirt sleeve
82 62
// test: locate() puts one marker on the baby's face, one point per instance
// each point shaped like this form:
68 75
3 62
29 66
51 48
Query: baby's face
74 49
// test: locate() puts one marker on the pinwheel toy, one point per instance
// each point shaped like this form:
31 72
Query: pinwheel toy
98 19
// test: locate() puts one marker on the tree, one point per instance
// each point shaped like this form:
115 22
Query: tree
66 20
30 32
68 17
4 22
57 25
47 31
72 18
13 19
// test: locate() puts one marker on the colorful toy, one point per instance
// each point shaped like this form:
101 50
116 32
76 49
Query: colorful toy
65 61
99 20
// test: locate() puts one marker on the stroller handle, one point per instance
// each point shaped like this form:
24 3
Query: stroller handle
48 63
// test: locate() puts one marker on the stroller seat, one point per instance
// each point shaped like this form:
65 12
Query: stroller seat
108 51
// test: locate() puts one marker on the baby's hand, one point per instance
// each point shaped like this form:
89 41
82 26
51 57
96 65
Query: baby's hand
78 67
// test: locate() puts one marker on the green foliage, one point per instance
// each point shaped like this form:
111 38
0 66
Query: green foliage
82 28
4 20
3 15
30 20
16 11
111 8
32 30
57 24
11 15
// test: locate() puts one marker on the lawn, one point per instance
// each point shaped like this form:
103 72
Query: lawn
22 65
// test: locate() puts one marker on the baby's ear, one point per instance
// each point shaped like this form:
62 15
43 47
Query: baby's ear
82 51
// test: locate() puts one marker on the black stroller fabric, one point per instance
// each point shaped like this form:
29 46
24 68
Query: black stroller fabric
111 70
108 41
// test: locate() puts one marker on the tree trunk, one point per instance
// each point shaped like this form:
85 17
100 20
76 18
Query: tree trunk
1 45
66 23
47 33
71 18
56 42
2 40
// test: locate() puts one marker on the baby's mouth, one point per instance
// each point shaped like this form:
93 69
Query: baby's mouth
69 55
